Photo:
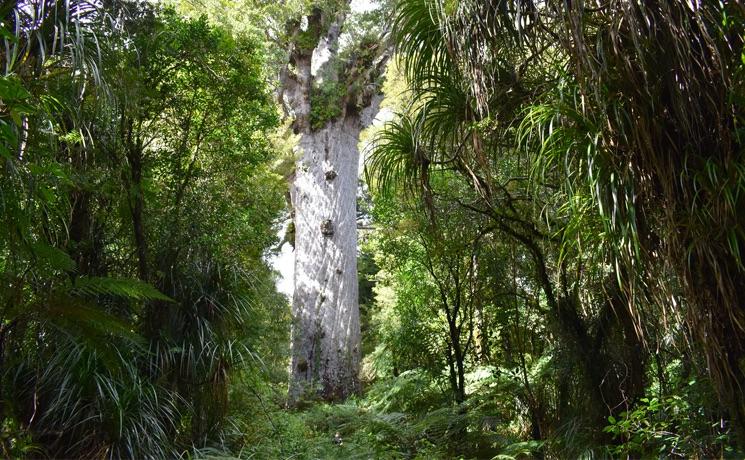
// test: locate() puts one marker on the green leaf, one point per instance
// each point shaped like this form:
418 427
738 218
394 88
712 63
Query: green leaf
12 90
7 34
78 319
7 134
120 287
52 257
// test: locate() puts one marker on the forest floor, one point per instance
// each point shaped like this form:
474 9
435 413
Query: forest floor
406 416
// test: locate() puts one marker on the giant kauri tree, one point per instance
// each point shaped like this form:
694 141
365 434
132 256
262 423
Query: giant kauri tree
330 88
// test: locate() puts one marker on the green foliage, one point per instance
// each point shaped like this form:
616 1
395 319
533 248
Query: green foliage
555 211
374 427
340 81
307 40
667 428
547 139
326 103
130 289
137 206
104 405
409 392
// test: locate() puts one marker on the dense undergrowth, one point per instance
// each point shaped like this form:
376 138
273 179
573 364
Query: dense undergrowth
410 417
398 418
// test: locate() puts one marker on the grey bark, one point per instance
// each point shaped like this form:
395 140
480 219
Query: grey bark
326 329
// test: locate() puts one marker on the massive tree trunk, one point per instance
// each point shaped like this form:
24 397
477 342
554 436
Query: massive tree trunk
326 328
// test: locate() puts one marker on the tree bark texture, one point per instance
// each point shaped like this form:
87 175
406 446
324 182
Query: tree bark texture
325 345
326 328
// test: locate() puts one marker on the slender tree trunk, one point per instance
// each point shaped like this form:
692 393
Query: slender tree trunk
452 374
136 199
460 396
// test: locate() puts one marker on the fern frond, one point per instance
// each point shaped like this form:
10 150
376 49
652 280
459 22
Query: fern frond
49 256
119 287
87 321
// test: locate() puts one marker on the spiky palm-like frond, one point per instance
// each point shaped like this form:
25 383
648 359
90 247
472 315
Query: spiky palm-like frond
418 36
670 154
82 400
398 156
